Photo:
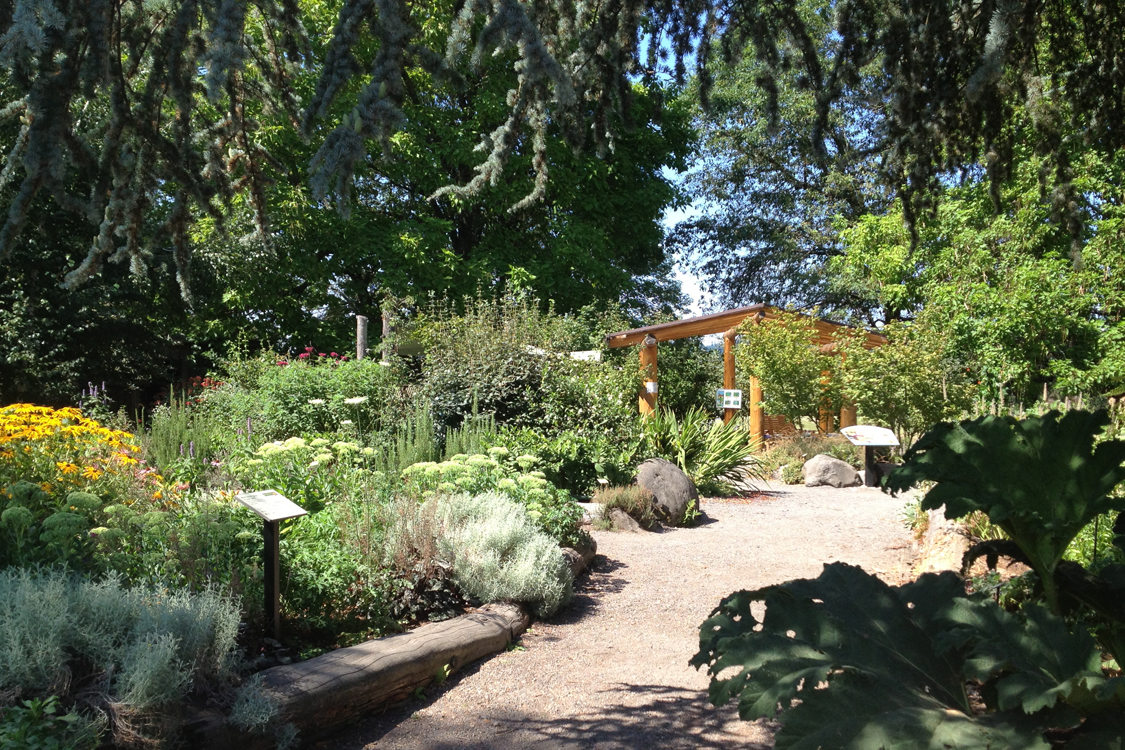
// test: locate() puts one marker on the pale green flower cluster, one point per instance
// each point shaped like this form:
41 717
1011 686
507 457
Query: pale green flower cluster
308 472
551 508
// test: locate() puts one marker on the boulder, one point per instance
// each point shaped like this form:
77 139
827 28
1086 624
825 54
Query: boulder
622 521
671 489
823 469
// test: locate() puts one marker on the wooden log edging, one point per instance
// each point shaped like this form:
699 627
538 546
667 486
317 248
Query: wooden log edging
330 690
321 694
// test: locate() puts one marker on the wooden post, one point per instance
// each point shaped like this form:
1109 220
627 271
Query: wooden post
757 428
647 400
849 415
757 417
271 533
360 336
825 422
728 369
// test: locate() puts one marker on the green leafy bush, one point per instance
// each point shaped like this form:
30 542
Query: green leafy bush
327 585
715 455
1041 480
783 354
312 472
575 461
310 394
855 663
37 724
552 509
489 357
852 662
793 473
126 652
908 384
499 554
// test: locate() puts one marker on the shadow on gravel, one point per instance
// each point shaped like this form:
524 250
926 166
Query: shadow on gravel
657 717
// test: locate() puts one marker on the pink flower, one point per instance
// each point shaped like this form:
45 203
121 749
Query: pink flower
281 363
322 354
303 355
334 354
308 349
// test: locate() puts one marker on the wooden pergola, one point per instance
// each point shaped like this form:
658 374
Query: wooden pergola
727 324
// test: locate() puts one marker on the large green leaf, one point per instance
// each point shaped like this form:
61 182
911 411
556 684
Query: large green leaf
1041 479
852 662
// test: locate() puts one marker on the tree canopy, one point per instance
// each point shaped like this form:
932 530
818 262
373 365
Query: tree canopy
126 105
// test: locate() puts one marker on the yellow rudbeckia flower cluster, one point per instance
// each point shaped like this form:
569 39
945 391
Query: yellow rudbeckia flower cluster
61 450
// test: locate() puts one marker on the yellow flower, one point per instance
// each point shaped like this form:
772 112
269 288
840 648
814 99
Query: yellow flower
66 467
91 472
158 495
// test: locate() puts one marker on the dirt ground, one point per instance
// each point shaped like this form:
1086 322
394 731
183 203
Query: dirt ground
611 670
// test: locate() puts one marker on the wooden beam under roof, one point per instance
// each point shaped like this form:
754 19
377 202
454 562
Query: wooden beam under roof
720 322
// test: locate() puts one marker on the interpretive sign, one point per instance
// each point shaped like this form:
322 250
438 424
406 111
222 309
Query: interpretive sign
870 437
274 508
869 434
728 399
271 505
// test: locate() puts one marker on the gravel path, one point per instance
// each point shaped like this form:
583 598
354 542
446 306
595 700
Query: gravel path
611 671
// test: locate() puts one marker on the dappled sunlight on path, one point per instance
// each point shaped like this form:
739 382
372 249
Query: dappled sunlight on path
611 671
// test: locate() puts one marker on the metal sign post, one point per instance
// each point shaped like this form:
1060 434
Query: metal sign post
870 437
273 508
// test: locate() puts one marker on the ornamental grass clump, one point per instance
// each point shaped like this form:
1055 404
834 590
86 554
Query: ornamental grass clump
498 553
716 455
634 500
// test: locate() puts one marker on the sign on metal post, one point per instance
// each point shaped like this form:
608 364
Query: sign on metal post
273 508
870 437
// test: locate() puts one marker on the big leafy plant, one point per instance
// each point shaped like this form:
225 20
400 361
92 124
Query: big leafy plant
851 662
1040 479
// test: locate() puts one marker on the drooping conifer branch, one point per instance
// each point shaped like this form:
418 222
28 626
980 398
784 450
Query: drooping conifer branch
108 88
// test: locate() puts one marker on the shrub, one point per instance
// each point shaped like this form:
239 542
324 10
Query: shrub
908 384
634 500
498 553
793 473
327 586
488 357
552 509
783 354
576 461
420 585
312 472
314 393
183 439
689 376
126 652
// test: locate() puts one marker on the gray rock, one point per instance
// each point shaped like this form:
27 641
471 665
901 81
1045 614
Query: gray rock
822 469
671 489
622 521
